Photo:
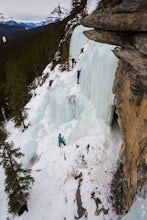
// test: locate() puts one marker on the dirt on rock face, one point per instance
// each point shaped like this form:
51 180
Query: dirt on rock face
117 196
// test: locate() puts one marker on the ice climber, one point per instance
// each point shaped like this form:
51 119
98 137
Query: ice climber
73 62
60 140
78 75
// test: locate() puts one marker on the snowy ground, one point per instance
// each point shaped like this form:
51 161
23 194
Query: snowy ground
91 150
53 194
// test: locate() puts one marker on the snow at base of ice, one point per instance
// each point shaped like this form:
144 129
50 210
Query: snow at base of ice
92 148
53 194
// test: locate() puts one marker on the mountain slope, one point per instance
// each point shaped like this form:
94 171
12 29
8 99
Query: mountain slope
27 55
69 181
58 13
9 31
73 182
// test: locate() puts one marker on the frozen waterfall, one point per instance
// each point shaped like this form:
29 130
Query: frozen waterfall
92 99
98 66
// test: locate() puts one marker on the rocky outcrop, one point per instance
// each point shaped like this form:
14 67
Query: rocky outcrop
118 21
123 23
132 115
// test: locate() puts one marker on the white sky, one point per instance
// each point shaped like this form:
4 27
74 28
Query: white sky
30 9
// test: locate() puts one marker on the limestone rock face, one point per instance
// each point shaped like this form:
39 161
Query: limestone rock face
124 23
118 21
132 112
119 6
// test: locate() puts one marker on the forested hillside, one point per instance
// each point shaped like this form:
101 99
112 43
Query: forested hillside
8 31
22 60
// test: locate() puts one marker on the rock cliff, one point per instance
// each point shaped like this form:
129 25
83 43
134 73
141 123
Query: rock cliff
124 23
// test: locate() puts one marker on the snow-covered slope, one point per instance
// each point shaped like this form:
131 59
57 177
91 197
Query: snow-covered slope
91 5
91 145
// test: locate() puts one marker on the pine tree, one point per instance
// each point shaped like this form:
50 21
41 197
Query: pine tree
78 6
18 180
75 4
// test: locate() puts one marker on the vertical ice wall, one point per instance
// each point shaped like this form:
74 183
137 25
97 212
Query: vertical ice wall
94 94
62 109
98 66
78 41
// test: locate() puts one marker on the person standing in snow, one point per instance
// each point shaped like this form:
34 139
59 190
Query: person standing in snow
73 62
78 75
23 208
50 82
60 140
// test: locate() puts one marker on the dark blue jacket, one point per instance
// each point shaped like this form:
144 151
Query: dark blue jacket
78 73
